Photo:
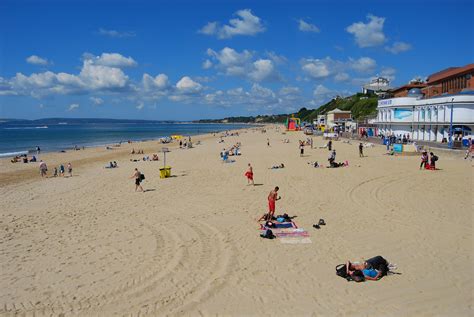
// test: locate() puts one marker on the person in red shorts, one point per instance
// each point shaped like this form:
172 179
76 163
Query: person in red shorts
249 175
272 198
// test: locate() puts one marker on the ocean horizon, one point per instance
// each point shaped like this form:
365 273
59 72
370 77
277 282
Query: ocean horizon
18 137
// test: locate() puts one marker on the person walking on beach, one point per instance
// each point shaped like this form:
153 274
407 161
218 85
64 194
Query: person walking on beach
69 169
424 159
330 145
38 150
361 150
43 168
272 198
301 148
61 170
138 179
249 175
268 142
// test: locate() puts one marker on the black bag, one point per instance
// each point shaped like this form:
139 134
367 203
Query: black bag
268 234
378 263
142 177
341 270
435 158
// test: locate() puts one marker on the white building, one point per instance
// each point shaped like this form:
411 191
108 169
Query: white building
378 86
426 119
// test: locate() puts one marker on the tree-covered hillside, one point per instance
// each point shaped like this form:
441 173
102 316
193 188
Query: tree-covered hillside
360 104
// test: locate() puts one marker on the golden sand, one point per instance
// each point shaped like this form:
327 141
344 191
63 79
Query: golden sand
190 246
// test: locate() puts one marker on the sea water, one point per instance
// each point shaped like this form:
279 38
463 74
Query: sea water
17 139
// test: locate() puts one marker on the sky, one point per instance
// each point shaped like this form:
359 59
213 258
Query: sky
187 60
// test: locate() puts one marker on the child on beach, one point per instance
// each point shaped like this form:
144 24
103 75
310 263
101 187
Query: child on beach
249 175
69 169
301 148
424 159
61 170
43 168
361 150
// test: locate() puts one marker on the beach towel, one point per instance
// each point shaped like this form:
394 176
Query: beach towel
279 225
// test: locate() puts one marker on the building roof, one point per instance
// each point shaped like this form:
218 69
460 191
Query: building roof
337 110
449 72
408 87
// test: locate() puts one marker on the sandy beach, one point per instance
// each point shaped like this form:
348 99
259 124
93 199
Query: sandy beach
89 245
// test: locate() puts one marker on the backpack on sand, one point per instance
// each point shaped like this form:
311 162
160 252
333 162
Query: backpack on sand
268 234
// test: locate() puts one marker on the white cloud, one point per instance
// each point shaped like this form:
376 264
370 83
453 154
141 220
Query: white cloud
364 64
277 59
207 64
398 47
368 34
328 68
307 27
116 34
210 28
388 72
230 57
160 82
111 60
91 78
73 107
232 63
97 101
263 69
289 90
36 60
98 77
245 24
317 68
186 85
341 76
140 106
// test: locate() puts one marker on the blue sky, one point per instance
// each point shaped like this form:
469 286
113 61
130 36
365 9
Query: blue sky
187 60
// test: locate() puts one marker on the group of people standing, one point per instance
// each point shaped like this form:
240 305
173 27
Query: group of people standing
424 160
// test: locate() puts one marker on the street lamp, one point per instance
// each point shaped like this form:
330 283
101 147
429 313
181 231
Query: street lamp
450 144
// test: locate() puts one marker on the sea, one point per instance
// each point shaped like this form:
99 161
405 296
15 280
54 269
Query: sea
24 137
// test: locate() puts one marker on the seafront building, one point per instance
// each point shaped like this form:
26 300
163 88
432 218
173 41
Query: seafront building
379 86
434 111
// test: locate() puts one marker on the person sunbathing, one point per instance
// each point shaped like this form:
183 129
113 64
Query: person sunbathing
278 166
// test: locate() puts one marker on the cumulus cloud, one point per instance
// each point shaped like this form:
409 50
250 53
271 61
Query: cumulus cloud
160 82
96 100
111 60
91 78
316 68
368 34
115 33
363 64
244 24
398 47
328 68
188 86
232 63
263 69
73 107
207 64
341 77
304 26
36 60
